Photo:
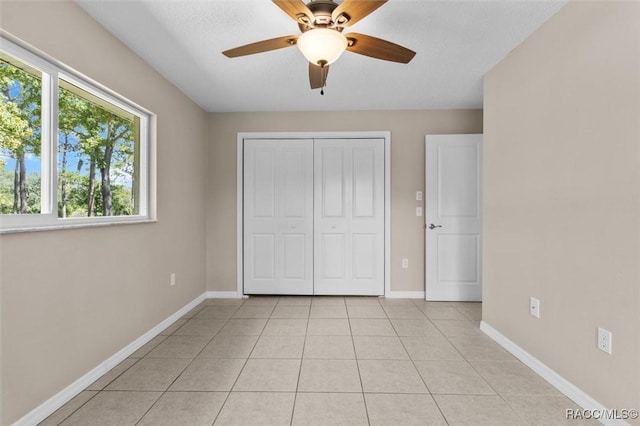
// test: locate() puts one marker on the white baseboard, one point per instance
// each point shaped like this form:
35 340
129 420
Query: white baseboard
48 407
570 390
223 295
405 295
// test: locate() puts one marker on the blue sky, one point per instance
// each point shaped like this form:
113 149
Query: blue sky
32 162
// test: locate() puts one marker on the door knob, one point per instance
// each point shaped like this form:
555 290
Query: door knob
432 226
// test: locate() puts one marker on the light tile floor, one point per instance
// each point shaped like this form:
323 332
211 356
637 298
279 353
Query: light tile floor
320 361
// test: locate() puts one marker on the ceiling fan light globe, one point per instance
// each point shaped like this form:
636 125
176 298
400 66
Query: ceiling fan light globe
322 46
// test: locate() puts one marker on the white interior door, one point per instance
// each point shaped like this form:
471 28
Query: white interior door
349 216
278 217
453 217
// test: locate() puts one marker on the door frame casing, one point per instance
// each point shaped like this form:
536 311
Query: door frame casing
385 135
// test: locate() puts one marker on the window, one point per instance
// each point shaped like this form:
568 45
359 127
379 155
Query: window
97 146
20 137
71 152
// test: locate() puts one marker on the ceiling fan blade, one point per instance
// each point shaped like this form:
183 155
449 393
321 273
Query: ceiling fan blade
261 46
378 48
318 75
293 8
355 10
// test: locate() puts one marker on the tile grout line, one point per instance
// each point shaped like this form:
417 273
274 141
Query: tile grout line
74 411
422 378
295 395
411 359
192 359
468 361
104 388
302 357
243 365
179 374
496 391
463 357
355 354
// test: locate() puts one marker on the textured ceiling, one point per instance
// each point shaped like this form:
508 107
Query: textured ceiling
456 42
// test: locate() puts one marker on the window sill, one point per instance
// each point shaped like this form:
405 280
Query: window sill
63 226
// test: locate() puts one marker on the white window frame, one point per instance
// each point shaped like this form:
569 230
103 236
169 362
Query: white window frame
52 73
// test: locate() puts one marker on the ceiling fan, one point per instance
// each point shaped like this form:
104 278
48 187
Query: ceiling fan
322 42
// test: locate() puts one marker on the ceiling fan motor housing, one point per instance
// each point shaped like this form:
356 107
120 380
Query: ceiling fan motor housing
322 16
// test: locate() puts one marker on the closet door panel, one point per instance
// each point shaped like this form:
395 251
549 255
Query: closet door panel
349 207
278 217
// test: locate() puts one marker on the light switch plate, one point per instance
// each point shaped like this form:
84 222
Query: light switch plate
418 211
418 195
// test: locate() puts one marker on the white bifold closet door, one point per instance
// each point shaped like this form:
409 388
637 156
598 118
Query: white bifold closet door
278 217
314 216
349 216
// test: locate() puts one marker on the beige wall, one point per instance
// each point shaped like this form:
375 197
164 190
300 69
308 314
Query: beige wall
408 129
72 298
562 193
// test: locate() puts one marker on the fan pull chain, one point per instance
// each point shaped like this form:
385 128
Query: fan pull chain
323 64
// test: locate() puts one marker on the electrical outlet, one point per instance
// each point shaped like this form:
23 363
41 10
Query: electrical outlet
534 307
418 211
173 279
604 340
405 263
418 195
